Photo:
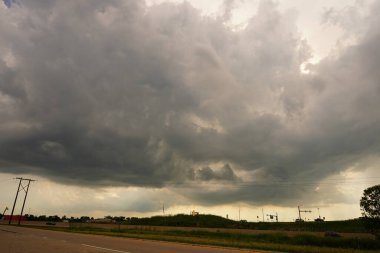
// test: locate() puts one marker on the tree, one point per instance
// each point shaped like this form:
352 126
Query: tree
370 205
370 202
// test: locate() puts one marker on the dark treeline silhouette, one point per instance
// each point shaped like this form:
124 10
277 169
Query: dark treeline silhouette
56 218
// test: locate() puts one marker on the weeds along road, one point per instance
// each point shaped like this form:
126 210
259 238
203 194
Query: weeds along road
15 239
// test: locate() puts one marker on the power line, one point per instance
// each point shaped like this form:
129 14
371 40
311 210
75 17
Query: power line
301 211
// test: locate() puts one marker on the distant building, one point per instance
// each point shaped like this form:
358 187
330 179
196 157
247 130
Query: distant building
14 218
102 220
194 213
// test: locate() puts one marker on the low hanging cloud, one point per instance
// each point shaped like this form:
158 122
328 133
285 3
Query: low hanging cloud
115 93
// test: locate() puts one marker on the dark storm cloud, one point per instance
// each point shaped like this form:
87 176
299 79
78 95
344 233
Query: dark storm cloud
117 93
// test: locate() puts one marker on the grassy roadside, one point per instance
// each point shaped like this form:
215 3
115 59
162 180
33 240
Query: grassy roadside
274 242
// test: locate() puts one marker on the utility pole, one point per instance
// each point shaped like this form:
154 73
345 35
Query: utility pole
302 211
14 203
6 208
24 188
26 194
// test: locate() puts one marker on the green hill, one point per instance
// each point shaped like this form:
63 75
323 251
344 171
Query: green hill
182 220
213 221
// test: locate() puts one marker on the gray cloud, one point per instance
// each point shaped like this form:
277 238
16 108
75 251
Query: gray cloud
225 173
117 93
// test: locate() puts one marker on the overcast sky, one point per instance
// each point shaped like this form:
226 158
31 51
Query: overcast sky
119 106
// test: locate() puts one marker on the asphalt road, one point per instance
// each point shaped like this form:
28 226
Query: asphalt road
15 239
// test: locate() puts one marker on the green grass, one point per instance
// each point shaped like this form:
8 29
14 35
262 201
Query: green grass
274 242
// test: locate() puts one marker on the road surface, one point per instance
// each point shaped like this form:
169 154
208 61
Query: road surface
15 239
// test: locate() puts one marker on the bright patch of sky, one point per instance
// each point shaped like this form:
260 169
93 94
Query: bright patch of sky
322 37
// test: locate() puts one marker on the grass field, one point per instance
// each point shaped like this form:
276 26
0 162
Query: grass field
279 241
308 237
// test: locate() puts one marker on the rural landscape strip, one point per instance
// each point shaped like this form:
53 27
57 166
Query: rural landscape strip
273 242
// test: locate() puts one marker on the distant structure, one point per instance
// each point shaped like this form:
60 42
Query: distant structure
102 221
14 218
194 213
273 216
319 219
299 219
